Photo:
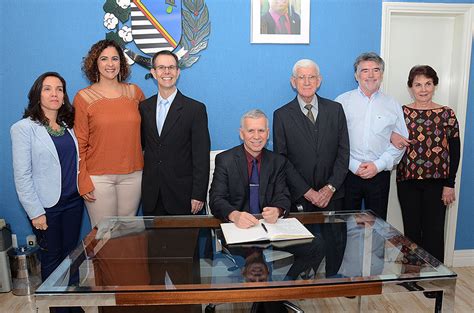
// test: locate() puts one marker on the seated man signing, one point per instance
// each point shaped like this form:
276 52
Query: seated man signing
249 179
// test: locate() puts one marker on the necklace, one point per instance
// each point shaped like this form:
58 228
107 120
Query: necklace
55 133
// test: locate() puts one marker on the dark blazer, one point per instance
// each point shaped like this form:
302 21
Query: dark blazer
315 159
176 164
230 184
267 24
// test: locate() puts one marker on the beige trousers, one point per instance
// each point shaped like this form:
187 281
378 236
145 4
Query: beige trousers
116 195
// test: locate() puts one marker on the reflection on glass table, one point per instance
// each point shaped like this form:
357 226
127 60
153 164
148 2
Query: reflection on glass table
182 260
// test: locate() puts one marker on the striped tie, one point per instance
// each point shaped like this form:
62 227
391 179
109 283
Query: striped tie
310 113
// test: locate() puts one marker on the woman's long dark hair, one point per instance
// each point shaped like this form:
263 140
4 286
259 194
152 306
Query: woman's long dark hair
35 112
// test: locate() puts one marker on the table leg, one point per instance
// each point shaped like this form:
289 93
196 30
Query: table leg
363 302
90 309
446 287
42 309
446 302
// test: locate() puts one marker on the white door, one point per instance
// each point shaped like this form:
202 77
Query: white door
438 35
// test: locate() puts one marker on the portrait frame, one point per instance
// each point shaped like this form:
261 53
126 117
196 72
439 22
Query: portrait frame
260 33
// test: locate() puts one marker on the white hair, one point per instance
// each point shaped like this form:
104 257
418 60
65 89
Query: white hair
255 113
305 63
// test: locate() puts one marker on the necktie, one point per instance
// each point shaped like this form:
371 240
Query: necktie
282 24
254 186
310 113
161 116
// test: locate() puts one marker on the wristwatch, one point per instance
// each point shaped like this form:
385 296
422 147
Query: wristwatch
331 187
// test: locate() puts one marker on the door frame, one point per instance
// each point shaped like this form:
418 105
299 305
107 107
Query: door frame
465 13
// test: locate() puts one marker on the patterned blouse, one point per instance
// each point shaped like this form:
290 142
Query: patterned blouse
430 156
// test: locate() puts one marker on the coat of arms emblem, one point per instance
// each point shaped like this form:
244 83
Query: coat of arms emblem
181 26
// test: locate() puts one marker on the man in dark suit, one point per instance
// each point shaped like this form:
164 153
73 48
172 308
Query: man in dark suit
249 179
280 19
176 143
311 132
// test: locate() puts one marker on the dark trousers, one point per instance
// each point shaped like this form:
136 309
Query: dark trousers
423 213
58 241
333 205
160 209
373 191
306 257
60 238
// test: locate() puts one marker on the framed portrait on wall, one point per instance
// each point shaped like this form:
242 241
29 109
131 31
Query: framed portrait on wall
280 21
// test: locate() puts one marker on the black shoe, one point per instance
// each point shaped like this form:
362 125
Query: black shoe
411 286
268 307
433 294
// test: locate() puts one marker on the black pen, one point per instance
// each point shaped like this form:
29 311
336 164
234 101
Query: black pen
264 227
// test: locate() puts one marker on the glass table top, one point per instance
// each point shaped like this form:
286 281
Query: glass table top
124 254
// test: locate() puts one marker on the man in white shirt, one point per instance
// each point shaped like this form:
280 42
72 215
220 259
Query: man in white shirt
371 117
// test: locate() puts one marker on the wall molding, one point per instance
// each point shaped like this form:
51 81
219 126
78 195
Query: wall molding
463 258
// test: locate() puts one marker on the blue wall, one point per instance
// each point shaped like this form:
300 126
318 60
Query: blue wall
231 77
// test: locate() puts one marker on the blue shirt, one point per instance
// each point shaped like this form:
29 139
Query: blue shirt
67 158
370 122
358 260
167 108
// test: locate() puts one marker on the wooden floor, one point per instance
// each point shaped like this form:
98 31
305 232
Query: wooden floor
412 303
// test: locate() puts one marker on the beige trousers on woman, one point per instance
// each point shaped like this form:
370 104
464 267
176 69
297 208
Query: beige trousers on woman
116 195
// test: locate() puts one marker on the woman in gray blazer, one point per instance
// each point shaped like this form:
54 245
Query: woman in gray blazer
45 163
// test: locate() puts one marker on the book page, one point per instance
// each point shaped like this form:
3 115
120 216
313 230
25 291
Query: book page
283 229
287 228
233 234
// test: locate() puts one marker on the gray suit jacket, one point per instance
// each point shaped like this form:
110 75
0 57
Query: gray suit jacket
36 167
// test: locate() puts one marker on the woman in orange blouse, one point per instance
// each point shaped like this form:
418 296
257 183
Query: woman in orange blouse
107 126
427 171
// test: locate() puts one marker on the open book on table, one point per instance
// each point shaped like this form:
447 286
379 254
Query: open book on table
283 229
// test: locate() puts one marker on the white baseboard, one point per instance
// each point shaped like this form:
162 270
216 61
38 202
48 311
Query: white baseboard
463 258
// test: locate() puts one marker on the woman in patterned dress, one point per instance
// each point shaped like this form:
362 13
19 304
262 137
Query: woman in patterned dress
427 172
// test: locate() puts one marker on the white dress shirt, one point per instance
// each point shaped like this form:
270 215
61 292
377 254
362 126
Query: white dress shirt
370 122
356 261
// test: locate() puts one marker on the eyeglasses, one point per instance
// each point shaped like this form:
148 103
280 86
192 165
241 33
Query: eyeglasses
311 78
163 68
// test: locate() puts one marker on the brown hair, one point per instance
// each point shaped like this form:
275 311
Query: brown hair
164 52
89 65
424 70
